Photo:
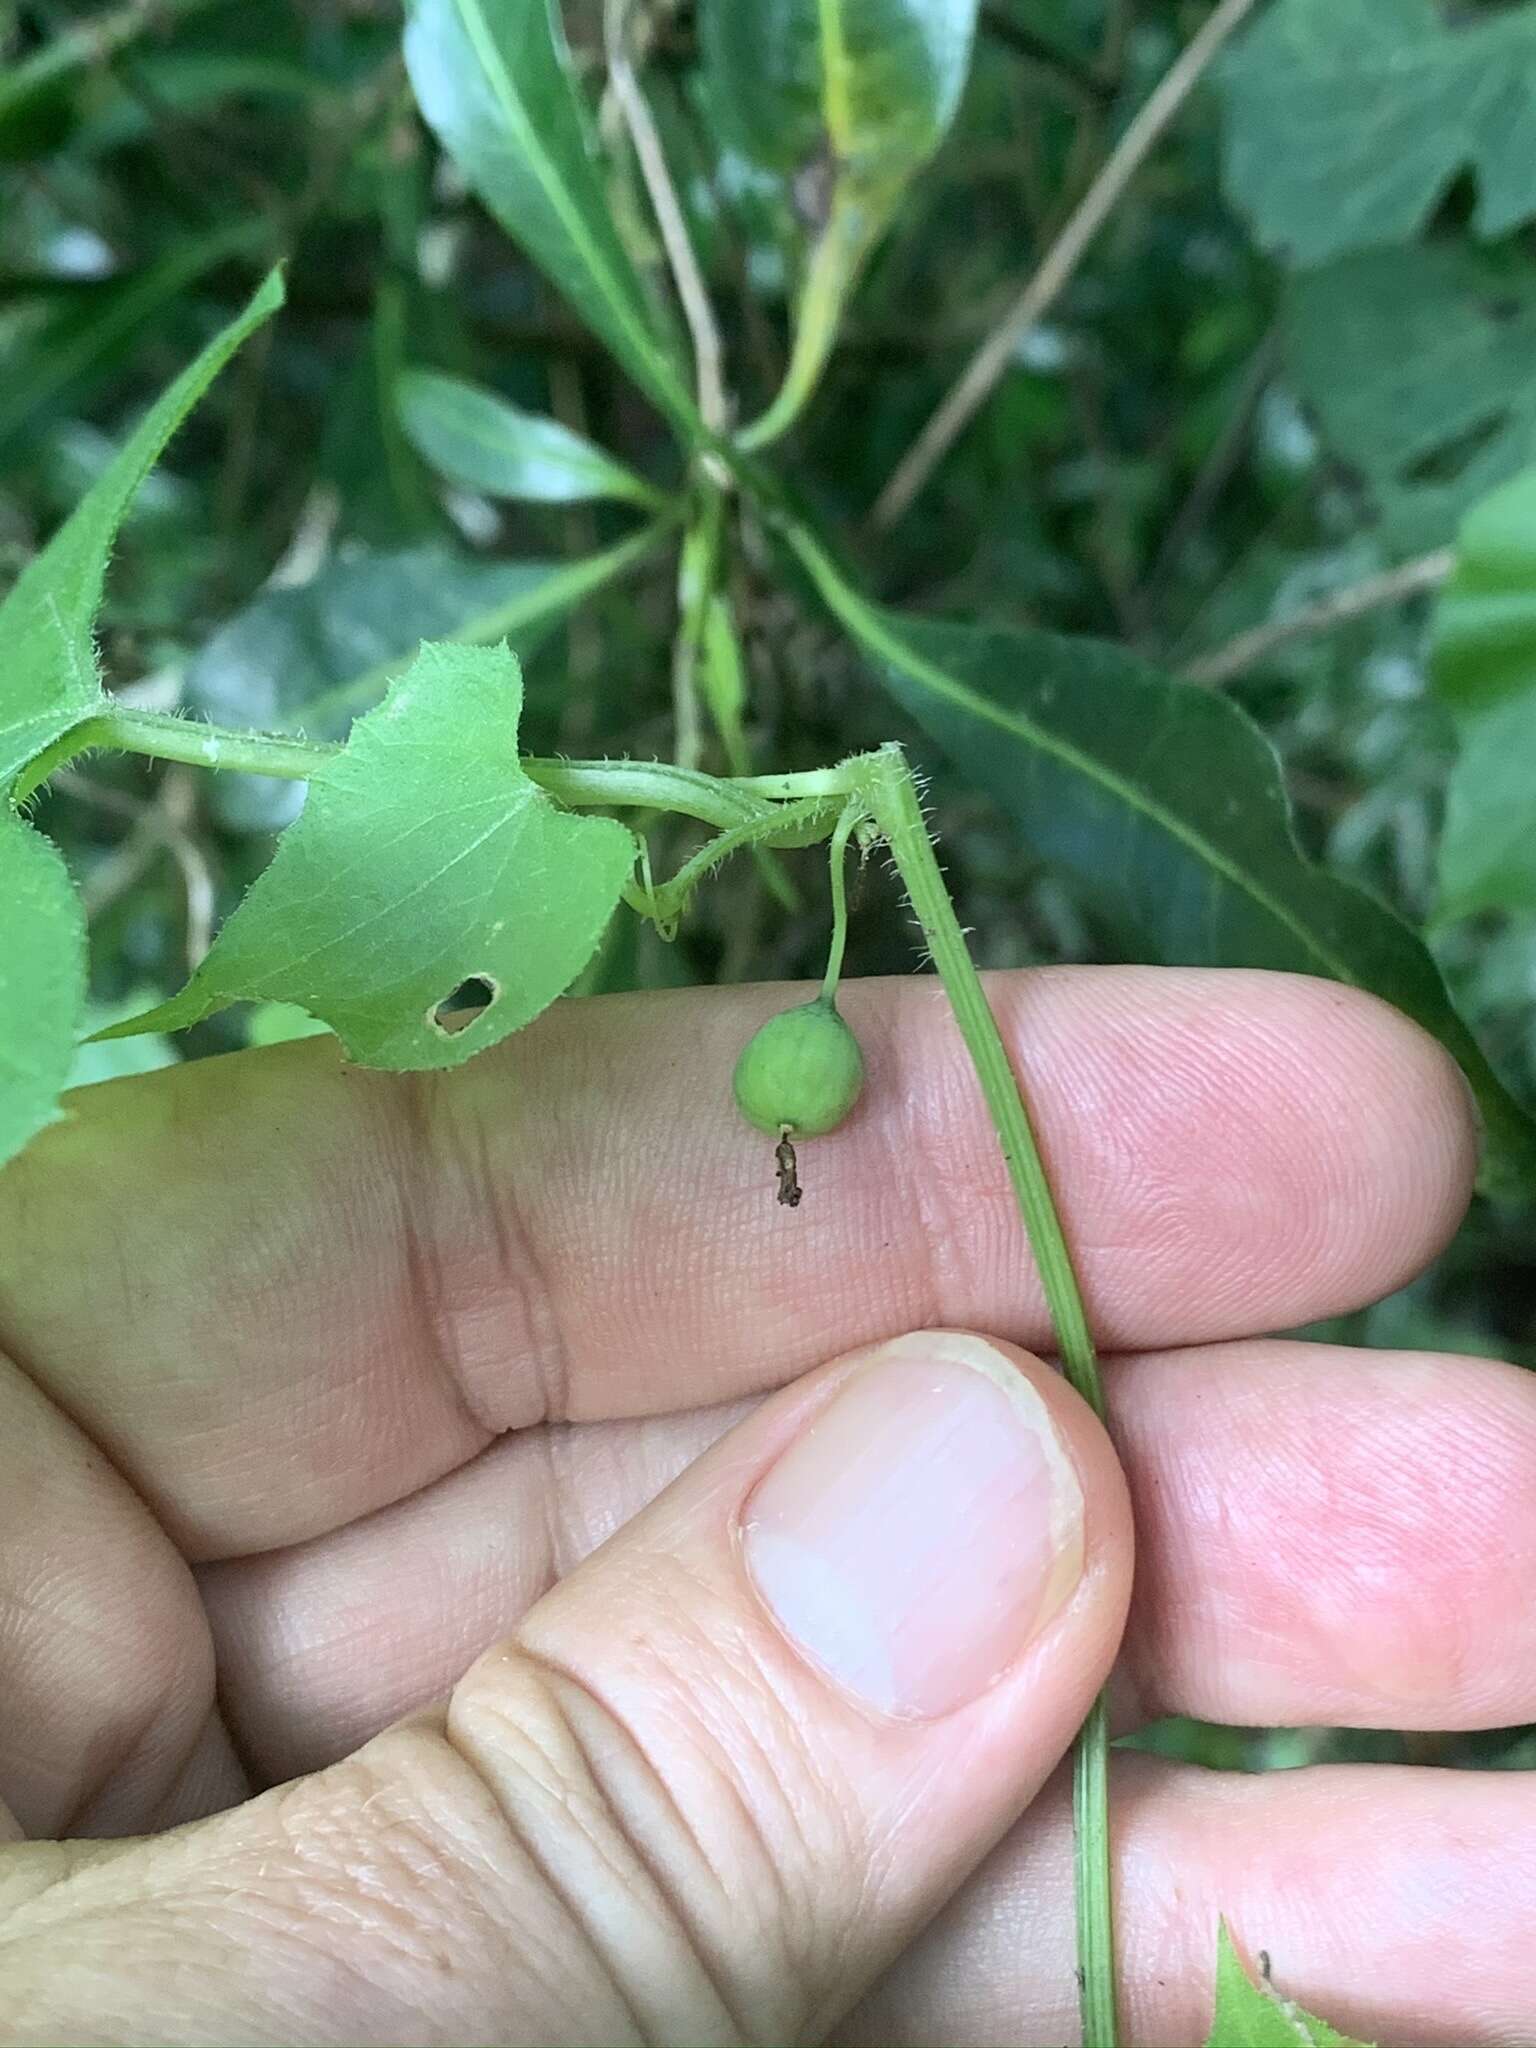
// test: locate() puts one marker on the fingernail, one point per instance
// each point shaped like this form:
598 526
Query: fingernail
923 1529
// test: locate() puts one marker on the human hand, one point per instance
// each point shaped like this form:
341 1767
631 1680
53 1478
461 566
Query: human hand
325 1380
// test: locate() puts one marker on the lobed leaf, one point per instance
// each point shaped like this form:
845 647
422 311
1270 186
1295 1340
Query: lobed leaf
493 80
1346 120
1416 363
47 619
42 980
1249 2015
482 442
1167 802
424 860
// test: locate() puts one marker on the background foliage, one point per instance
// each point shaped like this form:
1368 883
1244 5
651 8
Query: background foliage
1283 401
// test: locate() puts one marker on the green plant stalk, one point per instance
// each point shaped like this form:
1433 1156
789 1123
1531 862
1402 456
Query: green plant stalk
93 42
828 279
893 798
842 832
613 785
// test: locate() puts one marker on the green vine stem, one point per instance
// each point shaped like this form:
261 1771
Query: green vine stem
842 832
894 800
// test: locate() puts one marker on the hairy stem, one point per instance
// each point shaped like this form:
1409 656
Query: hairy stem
894 801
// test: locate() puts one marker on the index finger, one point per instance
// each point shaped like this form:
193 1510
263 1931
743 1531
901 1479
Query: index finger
280 1293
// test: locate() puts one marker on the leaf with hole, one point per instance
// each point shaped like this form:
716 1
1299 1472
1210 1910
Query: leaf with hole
1167 803
42 981
1347 120
425 870
1485 671
48 617
1250 2015
493 80
1417 365
482 442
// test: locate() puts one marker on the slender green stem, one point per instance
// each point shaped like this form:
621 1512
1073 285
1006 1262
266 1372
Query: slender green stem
615 785
828 278
893 798
799 823
841 834
1095 1900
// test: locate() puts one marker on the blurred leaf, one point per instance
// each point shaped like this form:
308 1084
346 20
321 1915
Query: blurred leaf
42 980
1250 2016
849 98
868 86
313 658
481 442
1166 802
424 860
1485 670
46 621
1485 623
1417 363
93 332
110 1059
493 80
1346 120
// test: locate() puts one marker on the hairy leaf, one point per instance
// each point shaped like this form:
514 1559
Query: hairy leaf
493 79
50 681
1347 120
1417 363
424 860
42 980
1166 801
1250 2015
1485 669
480 441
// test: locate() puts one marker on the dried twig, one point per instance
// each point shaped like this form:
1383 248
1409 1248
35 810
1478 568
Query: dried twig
692 293
990 361
1426 572
164 825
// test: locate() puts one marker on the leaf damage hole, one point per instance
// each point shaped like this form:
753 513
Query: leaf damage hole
464 1005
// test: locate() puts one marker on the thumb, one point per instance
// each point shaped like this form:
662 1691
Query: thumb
711 1787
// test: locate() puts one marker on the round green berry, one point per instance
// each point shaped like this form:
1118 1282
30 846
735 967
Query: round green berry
801 1073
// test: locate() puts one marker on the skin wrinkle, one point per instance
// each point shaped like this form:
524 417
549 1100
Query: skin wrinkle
514 1742
643 1333
1198 1433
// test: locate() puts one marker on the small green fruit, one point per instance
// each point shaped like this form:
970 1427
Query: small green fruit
802 1072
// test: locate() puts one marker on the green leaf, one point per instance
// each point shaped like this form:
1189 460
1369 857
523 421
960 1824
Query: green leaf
86 341
477 440
1249 2015
848 96
312 658
493 80
50 681
425 859
871 84
1485 670
42 980
1346 120
1417 363
1167 802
